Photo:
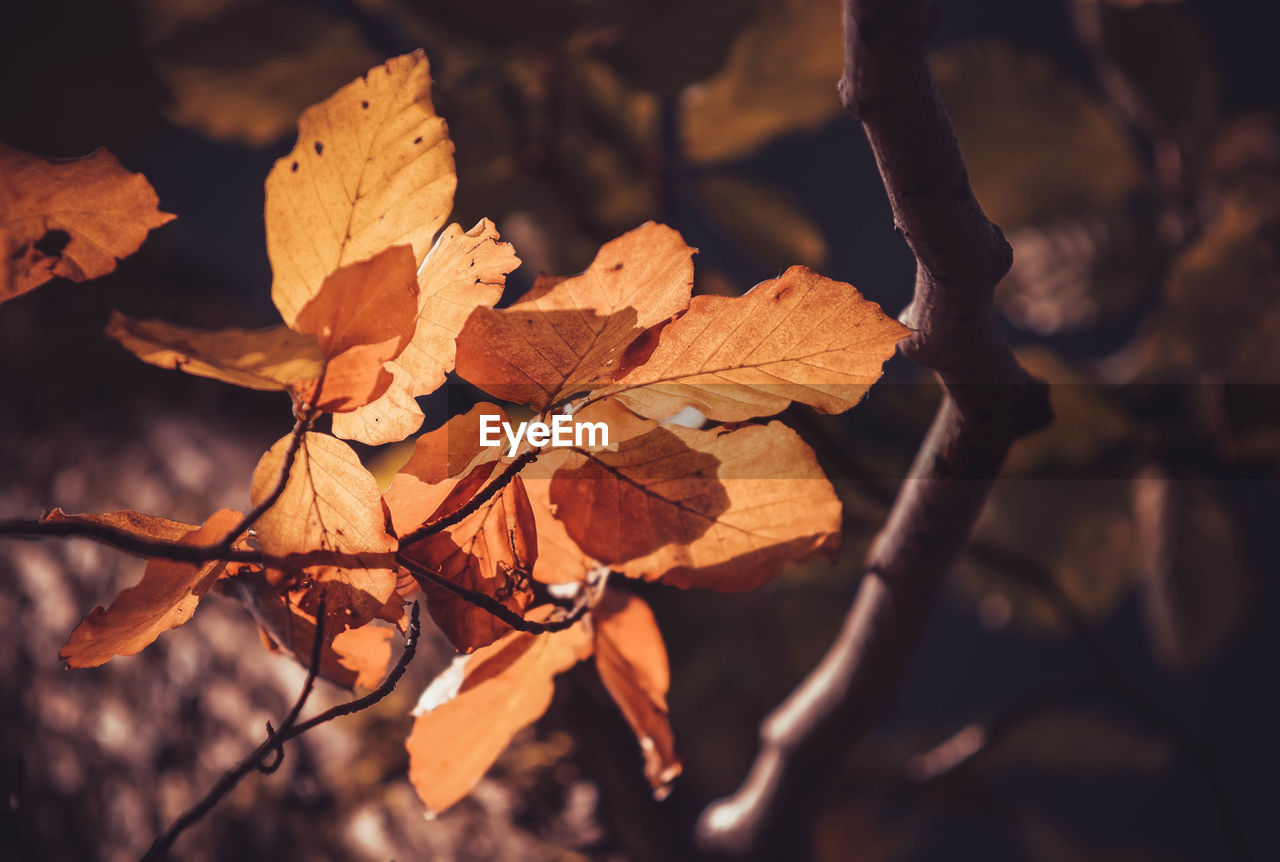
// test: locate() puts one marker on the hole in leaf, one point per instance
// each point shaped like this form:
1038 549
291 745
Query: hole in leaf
319 148
52 243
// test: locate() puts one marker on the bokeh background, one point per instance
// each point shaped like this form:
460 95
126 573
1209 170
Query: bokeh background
1098 680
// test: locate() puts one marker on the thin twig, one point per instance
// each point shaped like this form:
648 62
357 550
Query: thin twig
290 729
306 415
485 602
255 760
473 505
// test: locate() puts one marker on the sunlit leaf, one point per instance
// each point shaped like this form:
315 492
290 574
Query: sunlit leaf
373 167
800 337
164 599
569 334
468 715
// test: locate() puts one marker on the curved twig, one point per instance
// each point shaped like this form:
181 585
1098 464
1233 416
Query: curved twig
289 729
473 505
990 402
254 760
425 575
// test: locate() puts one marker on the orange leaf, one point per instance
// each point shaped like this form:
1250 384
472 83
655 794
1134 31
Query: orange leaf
778 78
72 219
463 271
632 661
446 461
469 714
134 523
801 337
330 502
491 551
721 509
268 359
164 599
349 656
646 491
560 560
363 316
373 167
568 335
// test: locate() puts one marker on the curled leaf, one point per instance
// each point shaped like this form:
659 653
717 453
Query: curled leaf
164 599
632 661
491 551
267 359
469 714
463 271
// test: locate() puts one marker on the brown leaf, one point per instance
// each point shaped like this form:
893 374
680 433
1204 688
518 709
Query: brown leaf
363 316
801 337
469 714
164 599
632 661
560 560
721 509
491 551
780 77
373 167
568 335
72 219
330 502
446 461
348 657
268 359
462 272
136 524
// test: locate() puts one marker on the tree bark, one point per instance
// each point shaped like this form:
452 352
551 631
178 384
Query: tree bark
990 402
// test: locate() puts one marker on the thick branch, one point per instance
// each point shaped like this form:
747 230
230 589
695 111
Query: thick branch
990 402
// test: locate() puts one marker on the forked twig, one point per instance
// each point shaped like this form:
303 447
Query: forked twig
273 745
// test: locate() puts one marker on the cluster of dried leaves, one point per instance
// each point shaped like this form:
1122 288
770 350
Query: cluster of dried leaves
380 300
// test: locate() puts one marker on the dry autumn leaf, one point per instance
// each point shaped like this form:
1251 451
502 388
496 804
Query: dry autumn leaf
560 560
632 661
490 551
363 316
648 491
164 599
469 714
330 501
801 337
136 524
373 167
72 219
570 334
349 657
245 71
757 500
267 359
463 271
